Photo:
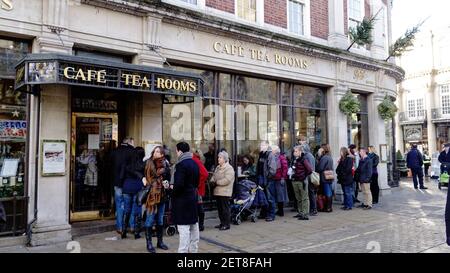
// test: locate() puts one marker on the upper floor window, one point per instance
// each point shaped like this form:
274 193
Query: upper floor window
355 12
246 9
296 15
445 99
416 108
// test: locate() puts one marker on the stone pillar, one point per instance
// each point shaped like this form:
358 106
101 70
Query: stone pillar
378 48
377 136
337 125
151 47
336 37
52 224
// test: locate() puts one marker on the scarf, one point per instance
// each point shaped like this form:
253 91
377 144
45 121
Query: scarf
154 171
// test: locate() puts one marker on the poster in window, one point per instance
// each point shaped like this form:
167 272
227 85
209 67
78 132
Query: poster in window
53 157
384 153
9 167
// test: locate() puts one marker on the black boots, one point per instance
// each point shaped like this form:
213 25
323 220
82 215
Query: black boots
125 220
159 235
148 238
280 211
329 204
137 227
201 221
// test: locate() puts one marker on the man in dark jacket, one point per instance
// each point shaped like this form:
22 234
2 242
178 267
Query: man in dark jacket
444 158
119 159
414 161
364 177
184 201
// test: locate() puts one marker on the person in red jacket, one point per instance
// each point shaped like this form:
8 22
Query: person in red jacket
201 189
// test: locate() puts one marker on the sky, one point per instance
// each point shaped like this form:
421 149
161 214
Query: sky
408 13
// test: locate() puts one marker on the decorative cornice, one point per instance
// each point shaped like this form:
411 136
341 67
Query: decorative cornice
216 25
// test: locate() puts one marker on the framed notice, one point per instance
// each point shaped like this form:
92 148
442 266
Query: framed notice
383 153
9 167
53 158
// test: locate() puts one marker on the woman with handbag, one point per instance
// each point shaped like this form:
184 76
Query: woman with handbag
344 172
133 183
325 169
157 174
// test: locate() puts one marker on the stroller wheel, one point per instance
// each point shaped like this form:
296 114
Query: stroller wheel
171 230
439 185
253 219
237 221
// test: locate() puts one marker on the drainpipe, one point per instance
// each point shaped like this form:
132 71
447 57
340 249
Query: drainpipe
37 94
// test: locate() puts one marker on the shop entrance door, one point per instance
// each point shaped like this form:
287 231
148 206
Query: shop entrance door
94 136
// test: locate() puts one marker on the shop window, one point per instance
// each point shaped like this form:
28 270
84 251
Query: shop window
296 17
310 97
224 86
358 126
287 141
286 94
312 125
256 90
10 53
246 9
207 76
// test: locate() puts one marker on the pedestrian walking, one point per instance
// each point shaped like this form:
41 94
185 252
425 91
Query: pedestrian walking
203 177
133 183
184 199
414 161
374 187
344 172
326 171
119 158
299 171
364 176
157 175
223 179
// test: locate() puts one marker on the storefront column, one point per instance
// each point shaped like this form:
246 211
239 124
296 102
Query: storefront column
377 137
431 102
378 47
52 224
336 37
337 125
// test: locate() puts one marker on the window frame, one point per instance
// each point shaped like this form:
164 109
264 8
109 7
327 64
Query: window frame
257 8
445 109
306 18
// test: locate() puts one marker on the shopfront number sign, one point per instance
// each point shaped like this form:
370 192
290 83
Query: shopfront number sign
53 157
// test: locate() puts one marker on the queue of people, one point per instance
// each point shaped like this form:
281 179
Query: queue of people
144 188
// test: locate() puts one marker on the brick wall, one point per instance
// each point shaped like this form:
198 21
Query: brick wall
345 17
223 5
367 9
275 12
319 18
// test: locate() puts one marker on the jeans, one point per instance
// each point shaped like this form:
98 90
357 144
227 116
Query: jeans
348 195
271 197
131 206
327 189
189 237
118 199
301 194
417 172
158 216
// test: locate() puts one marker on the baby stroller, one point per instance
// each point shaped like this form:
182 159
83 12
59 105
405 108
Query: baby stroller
244 204
444 177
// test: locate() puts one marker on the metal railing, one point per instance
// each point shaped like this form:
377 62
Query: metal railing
416 116
440 113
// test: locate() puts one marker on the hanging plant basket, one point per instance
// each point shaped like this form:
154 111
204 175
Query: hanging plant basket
349 104
387 109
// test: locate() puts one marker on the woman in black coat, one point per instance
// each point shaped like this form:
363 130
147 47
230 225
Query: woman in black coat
345 177
326 164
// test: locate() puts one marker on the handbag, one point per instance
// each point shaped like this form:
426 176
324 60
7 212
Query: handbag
143 194
329 175
315 179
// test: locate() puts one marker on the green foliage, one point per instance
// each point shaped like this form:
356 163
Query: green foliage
362 34
399 155
387 109
403 43
349 104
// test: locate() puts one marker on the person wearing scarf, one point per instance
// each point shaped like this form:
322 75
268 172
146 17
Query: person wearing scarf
157 172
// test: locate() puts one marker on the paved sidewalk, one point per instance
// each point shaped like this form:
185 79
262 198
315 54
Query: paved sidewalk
405 221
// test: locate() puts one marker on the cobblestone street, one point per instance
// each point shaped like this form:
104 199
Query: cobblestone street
405 221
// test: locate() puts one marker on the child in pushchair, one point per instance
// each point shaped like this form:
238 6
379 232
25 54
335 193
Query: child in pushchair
246 201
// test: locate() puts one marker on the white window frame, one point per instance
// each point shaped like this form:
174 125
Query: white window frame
411 108
201 4
306 17
257 12
445 93
363 12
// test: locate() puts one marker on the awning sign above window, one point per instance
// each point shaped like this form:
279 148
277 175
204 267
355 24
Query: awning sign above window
60 69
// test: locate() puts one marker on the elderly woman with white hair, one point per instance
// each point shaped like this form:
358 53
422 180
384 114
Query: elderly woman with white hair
223 178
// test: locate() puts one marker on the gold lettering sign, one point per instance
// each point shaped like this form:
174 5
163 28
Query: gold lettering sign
259 55
7 5
179 85
90 75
